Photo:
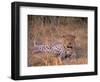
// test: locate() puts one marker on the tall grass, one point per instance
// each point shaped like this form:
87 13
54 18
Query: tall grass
54 27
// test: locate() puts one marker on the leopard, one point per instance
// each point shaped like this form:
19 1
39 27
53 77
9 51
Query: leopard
64 47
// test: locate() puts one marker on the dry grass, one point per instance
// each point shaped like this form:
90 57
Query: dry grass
76 61
44 59
40 27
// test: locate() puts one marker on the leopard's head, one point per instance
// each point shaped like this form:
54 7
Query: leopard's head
69 41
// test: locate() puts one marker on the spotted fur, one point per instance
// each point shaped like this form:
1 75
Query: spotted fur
64 49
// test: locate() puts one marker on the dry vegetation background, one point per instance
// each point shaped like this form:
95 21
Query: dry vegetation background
53 27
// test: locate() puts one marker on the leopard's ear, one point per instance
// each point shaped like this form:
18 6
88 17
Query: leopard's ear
63 36
74 37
